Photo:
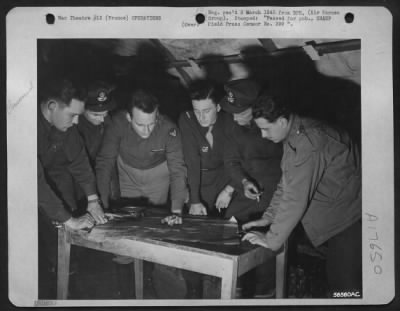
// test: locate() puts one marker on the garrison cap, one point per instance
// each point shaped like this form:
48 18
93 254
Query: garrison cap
99 97
240 95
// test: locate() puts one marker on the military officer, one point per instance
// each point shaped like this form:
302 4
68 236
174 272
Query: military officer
203 139
252 163
320 186
95 117
253 166
147 148
99 104
61 159
60 149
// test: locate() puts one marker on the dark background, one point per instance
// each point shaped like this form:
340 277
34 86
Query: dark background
5 6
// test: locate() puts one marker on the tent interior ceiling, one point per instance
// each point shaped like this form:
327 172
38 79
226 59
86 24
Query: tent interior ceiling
345 64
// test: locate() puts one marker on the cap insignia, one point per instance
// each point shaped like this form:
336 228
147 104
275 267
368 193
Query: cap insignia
102 96
231 97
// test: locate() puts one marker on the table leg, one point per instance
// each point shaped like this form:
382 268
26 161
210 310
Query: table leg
228 282
138 267
64 250
281 262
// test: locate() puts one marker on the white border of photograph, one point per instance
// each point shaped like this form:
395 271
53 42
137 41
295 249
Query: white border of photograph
373 25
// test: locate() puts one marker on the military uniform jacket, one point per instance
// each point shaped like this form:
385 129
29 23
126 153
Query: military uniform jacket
205 164
320 185
92 136
250 156
64 154
164 144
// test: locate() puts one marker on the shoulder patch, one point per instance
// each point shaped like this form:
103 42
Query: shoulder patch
172 132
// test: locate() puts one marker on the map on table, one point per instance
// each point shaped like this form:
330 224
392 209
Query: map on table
201 229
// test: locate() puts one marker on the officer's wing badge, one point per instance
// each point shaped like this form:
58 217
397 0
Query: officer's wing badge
172 132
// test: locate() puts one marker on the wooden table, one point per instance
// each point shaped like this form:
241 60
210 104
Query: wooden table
172 246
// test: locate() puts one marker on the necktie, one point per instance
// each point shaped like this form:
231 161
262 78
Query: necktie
209 136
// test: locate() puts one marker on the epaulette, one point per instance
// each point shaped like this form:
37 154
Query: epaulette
188 114
301 129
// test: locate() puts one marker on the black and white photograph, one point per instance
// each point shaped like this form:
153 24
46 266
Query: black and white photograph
229 166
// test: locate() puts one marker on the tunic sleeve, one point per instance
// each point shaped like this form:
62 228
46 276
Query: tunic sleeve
291 199
80 167
232 160
192 158
48 202
106 159
177 169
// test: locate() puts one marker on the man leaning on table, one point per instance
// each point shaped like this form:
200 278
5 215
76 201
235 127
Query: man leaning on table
204 144
61 159
146 147
320 186
60 150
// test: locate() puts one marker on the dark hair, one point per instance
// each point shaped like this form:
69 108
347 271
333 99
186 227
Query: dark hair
142 100
271 107
205 89
63 90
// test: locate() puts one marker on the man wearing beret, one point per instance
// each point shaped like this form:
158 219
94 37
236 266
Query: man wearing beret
253 164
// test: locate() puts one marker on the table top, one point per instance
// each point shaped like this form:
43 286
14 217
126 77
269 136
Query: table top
198 233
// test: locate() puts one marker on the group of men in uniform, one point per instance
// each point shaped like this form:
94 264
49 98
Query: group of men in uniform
216 160
225 153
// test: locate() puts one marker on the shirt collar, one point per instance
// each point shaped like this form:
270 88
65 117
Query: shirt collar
85 122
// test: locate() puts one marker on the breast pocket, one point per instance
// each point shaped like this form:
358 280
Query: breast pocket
157 154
